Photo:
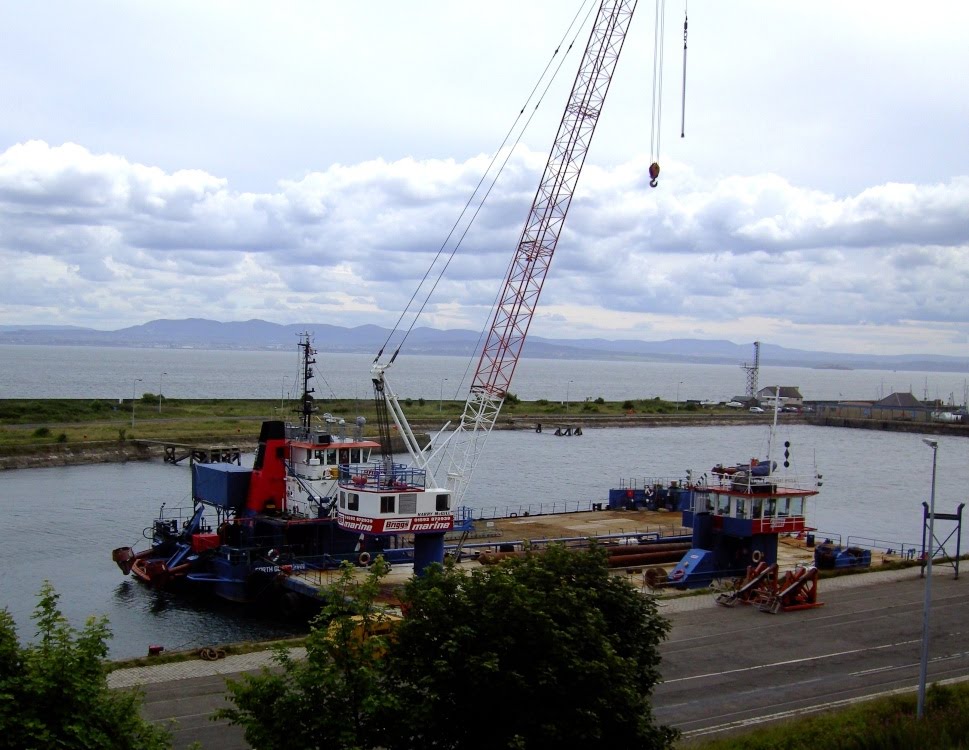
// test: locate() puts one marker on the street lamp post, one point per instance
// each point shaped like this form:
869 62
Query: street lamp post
678 395
927 606
161 380
133 382
568 386
440 403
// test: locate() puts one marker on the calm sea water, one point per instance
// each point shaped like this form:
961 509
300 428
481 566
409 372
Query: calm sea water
115 373
61 524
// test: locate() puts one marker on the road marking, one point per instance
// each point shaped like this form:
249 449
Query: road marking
796 712
789 662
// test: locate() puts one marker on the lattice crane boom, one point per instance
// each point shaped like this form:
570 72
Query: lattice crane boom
523 285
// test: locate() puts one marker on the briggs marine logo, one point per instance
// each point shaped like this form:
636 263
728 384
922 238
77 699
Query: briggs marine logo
399 524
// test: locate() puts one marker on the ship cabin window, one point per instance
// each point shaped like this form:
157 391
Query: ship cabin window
356 456
783 507
741 508
758 508
723 505
353 501
344 455
797 506
366 455
343 499
408 503
443 502
331 457
770 507
387 503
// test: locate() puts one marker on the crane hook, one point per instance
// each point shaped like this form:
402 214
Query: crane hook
653 174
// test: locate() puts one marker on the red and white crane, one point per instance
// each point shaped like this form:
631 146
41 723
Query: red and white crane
458 454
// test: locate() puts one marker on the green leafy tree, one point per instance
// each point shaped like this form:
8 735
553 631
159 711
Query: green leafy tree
549 648
333 699
54 693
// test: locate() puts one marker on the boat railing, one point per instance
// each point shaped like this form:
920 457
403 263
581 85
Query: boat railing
826 537
754 484
516 510
903 549
645 483
376 475
171 521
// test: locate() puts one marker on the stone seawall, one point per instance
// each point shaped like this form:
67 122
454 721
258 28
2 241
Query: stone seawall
75 455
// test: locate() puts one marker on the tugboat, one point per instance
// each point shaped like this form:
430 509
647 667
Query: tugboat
312 499
737 514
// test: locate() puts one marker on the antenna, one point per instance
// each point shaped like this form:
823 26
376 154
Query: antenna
753 372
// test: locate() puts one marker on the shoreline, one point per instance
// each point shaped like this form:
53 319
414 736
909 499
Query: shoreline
136 449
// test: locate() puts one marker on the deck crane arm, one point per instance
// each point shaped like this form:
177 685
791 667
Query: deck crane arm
523 285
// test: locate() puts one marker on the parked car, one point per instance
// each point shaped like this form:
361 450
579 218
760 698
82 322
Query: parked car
734 405
756 410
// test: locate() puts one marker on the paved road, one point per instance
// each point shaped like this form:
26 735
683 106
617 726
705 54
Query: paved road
730 669
724 669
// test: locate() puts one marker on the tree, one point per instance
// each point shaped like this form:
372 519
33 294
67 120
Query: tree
333 699
54 693
547 650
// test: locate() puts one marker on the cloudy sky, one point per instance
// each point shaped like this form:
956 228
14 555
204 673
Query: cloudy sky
303 161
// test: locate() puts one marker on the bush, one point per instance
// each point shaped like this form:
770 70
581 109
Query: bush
55 692
42 432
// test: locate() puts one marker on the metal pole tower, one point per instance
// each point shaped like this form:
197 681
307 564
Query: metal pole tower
753 372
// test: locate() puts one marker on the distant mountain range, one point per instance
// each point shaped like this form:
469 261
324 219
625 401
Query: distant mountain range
198 333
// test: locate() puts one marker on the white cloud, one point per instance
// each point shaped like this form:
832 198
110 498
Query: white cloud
97 240
308 159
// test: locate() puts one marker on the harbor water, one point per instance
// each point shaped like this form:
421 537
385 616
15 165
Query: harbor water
60 524
116 373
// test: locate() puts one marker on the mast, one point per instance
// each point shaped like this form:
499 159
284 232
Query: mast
307 406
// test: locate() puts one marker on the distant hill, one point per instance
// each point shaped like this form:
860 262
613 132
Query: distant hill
199 333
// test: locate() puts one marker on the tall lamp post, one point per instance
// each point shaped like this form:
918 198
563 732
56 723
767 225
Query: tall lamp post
161 380
927 606
678 395
133 383
440 403
568 386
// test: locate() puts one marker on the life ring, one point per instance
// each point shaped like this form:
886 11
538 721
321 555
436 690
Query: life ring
364 558
757 556
513 515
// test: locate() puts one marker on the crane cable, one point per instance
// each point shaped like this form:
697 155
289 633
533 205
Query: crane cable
683 105
657 112
487 192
